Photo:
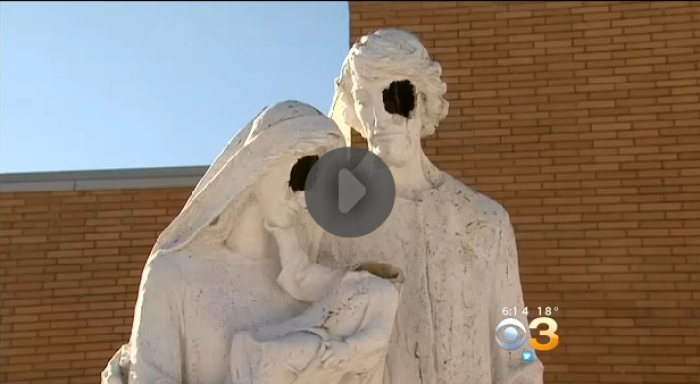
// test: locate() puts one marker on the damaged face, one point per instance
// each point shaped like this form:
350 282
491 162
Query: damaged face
300 172
281 192
387 113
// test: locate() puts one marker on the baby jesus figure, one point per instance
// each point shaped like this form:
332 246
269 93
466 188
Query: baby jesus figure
342 338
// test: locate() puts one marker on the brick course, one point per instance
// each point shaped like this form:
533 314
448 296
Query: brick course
70 266
582 119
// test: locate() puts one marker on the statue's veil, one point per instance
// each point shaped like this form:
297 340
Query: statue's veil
280 134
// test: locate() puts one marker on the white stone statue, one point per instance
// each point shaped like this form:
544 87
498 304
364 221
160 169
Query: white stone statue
349 324
229 294
455 246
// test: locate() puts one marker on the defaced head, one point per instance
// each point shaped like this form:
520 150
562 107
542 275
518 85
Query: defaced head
387 115
280 193
392 94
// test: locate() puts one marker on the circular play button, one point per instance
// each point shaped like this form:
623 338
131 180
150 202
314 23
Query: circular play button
350 192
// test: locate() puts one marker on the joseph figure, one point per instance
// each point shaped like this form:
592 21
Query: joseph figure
456 246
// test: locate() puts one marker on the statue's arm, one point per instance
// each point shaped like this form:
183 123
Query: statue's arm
507 292
156 337
302 279
375 332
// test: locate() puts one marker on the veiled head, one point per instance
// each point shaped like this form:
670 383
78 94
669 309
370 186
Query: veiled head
257 163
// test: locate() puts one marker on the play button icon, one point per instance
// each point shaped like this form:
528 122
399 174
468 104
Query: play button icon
350 192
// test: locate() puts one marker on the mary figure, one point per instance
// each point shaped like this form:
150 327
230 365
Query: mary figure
229 294
212 272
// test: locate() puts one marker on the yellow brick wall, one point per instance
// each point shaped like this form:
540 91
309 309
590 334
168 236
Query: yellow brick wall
70 266
583 120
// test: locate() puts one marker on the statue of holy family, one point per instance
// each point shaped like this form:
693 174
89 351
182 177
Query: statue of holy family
243 287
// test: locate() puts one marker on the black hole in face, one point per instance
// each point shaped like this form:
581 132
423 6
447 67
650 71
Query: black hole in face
300 171
400 98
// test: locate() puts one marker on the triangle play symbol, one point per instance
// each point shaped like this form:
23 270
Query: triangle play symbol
350 190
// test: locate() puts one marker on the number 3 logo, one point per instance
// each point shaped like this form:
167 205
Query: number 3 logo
550 333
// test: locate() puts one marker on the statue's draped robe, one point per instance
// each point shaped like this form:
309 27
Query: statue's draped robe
190 307
457 250
358 308
195 294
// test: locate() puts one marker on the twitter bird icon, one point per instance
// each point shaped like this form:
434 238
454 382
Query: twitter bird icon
528 356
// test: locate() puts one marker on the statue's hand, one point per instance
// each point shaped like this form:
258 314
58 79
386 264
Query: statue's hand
289 213
282 234
335 354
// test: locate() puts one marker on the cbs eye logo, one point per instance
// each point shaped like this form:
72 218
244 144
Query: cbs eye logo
511 334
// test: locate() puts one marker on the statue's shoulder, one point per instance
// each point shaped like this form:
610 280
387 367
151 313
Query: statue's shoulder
485 209
164 266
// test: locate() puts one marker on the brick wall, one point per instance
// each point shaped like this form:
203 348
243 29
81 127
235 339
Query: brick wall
583 120
70 265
